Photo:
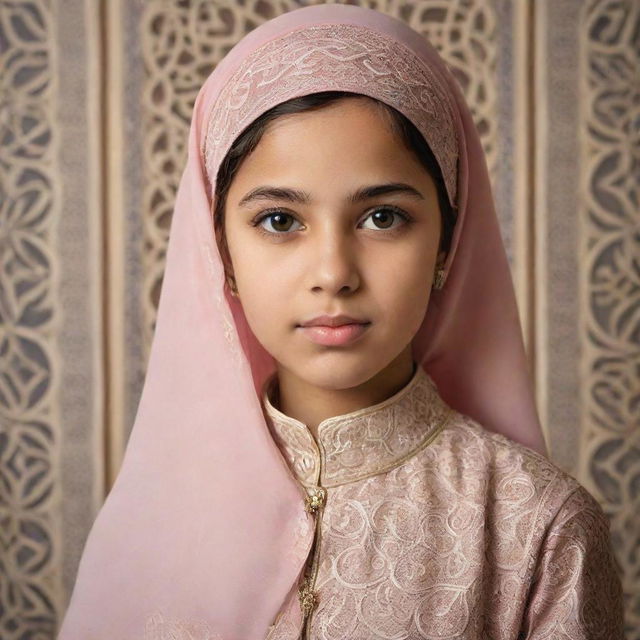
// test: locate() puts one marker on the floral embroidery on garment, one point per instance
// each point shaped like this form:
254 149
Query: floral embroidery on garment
434 528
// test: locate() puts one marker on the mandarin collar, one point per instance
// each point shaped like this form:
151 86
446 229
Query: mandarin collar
361 443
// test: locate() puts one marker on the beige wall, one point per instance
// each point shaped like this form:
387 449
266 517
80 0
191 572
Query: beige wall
95 104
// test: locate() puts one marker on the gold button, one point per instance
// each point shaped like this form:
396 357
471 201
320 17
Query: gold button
308 598
315 499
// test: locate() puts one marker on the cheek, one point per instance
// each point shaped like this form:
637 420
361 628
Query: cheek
407 303
405 289
264 296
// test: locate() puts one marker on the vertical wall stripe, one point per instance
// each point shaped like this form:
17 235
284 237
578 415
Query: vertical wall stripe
538 229
80 422
115 230
521 182
96 187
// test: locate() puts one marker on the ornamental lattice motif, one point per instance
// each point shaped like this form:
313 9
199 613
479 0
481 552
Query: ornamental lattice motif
610 278
30 576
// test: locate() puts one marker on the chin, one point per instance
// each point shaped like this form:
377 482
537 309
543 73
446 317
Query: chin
338 370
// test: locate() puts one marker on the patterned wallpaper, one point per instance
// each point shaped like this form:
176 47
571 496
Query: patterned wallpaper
95 103
30 586
609 285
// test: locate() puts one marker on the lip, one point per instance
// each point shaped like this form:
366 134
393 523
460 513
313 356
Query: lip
333 321
336 336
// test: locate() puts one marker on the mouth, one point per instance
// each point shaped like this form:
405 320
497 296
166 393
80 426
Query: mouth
333 321
334 336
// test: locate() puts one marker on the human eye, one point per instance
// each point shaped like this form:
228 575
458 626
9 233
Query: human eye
384 216
276 219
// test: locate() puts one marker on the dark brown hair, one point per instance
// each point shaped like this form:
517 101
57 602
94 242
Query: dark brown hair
249 138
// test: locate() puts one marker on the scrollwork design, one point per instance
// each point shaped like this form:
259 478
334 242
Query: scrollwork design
611 277
29 583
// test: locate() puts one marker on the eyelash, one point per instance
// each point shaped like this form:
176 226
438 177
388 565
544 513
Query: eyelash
263 215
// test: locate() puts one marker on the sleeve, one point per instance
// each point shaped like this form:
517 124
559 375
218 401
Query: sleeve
576 592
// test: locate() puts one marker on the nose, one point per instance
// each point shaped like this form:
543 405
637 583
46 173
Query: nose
333 265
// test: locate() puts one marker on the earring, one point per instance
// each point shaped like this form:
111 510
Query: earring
232 286
438 281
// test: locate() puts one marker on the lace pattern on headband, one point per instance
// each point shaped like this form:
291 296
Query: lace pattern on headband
335 57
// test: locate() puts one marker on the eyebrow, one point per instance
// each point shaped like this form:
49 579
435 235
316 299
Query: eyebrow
302 197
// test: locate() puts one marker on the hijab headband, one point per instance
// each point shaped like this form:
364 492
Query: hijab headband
324 58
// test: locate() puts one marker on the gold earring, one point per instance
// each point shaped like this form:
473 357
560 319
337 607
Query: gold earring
232 286
438 281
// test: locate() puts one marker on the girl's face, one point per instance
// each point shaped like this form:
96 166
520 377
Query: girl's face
331 214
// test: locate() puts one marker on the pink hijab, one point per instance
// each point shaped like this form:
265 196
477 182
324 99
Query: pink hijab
194 540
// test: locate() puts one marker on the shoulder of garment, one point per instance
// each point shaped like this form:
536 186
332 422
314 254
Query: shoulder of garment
538 516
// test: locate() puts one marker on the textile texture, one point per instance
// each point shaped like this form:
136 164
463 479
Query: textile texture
433 527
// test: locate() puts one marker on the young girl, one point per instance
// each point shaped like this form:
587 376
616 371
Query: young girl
337 436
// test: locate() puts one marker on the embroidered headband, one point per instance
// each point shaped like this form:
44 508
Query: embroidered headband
338 58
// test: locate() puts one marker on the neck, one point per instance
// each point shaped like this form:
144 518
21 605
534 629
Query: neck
311 404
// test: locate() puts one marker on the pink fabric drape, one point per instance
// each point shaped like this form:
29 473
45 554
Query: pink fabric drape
195 535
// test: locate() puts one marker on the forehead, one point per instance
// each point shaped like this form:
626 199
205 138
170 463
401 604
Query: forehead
330 154
343 134
363 116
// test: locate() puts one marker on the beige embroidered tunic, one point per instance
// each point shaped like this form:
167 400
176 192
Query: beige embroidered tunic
429 526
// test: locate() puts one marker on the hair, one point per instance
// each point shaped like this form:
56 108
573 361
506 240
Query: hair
249 138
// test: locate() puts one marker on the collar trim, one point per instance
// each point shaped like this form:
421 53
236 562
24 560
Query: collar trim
363 443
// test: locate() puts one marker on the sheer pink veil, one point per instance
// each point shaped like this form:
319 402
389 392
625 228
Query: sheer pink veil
201 533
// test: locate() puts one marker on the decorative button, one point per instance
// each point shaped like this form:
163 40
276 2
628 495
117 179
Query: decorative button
315 499
308 598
